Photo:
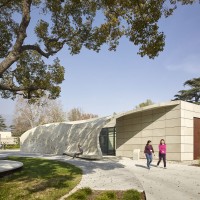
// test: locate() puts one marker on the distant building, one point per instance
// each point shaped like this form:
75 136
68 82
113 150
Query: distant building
6 137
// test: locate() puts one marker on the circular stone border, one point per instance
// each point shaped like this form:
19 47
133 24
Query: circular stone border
8 166
2 156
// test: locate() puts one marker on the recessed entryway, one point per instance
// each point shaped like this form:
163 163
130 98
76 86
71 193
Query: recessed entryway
196 138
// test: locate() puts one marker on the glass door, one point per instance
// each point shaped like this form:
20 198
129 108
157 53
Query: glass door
107 141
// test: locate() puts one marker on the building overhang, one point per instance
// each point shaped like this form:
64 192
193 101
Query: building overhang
150 107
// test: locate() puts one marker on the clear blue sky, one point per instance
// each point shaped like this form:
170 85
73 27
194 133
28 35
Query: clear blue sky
107 82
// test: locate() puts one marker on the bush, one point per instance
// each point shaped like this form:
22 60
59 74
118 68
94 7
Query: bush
78 195
131 194
102 197
87 190
109 195
12 146
81 194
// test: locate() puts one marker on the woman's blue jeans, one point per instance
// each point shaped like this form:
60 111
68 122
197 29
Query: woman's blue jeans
149 159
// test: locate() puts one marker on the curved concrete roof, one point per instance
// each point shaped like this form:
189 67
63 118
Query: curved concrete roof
59 138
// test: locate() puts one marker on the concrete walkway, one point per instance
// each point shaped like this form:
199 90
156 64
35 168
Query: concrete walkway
178 181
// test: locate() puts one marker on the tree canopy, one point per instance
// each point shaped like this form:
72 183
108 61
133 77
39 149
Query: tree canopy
76 114
2 124
72 24
145 103
192 94
43 111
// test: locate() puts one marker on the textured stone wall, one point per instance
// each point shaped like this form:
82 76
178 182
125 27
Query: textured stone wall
57 138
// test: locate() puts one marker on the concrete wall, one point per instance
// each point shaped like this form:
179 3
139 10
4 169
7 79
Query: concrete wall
133 130
6 137
172 122
188 112
58 138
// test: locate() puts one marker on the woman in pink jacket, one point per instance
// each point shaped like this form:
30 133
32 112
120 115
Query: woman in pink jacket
162 152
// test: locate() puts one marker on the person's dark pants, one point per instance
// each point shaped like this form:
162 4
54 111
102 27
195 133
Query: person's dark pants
162 157
77 154
149 159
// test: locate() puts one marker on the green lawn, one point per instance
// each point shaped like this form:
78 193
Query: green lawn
39 179
88 194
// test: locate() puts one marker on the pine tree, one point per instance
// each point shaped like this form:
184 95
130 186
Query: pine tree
192 94
2 124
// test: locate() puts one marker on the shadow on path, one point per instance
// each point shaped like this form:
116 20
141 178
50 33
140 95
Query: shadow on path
142 166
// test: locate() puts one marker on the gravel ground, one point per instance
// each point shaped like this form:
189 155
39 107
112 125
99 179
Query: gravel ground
180 181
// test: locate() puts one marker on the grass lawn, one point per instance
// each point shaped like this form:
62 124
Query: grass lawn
88 194
39 179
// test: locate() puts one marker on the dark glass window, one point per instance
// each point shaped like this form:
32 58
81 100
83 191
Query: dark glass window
107 140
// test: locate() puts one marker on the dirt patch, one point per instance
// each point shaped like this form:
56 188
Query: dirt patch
196 165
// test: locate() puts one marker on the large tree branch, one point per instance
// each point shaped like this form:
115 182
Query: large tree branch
14 88
14 54
40 51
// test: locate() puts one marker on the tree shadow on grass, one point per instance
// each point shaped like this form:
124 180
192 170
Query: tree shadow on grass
39 175
43 168
57 183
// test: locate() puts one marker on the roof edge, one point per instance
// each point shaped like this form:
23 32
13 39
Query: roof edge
150 107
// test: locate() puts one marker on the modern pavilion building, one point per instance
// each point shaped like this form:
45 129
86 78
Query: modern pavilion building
177 122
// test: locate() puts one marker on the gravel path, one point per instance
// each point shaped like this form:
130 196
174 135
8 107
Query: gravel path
178 182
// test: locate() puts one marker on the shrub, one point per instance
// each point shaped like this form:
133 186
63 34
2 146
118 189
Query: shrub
102 197
87 190
78 195
12 146
109 195
131 194
81 194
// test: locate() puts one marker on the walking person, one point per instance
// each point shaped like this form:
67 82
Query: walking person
148 150
80 151
162 153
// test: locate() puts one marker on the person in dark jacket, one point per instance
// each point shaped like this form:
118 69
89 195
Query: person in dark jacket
80 151
148 150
